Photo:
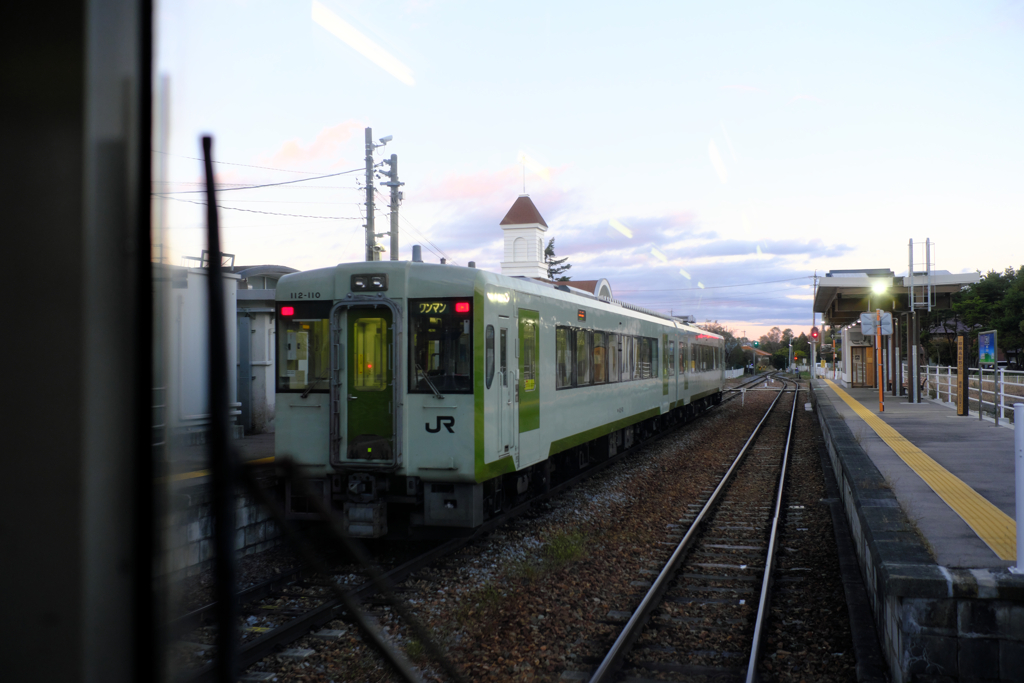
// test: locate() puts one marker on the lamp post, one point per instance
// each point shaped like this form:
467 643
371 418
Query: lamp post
879 289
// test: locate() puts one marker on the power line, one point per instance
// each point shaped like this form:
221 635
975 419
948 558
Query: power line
268 213
697 289
229 163
253 187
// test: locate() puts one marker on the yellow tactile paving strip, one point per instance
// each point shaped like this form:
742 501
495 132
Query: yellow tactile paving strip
993 526
195 474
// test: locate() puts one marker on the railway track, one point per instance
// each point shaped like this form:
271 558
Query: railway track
704 614
285 608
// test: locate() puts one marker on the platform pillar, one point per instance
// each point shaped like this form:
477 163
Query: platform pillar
1018 460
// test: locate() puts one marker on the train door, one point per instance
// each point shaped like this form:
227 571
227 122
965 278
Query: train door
368 384
501 409
506 397
528 387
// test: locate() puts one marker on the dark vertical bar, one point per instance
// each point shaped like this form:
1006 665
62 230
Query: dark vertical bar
147 663
221 464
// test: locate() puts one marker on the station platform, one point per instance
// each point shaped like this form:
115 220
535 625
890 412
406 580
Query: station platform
191 468
929 497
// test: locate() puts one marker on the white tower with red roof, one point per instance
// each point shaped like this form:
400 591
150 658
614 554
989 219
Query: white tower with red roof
524 229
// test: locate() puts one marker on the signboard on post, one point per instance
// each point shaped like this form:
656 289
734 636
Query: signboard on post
987 347
867 324
961 376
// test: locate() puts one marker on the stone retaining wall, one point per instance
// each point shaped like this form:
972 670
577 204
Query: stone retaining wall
189 530
937 624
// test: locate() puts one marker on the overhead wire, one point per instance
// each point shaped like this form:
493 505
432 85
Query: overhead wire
255 187
231 163
268 213
706 287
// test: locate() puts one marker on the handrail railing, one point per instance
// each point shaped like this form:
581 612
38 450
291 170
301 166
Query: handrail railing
996 388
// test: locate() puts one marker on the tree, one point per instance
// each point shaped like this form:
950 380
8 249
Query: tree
802 345
995 302
770 342
556 266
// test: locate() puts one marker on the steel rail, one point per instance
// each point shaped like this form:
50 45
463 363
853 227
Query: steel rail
190 621
769 565
258 648
631 631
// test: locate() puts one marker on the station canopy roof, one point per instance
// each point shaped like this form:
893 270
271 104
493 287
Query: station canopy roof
844 294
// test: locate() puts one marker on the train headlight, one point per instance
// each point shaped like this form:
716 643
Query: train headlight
371 282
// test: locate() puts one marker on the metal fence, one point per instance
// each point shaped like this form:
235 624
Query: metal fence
997 389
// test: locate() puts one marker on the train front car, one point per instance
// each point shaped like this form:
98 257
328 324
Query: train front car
375 369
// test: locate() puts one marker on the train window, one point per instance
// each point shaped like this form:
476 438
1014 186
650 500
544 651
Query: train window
489 355
563 358
627 358
584 355
600 358
440 347
531 349
643 369
503 357
671 358
655 359
614 356
370 358
304 349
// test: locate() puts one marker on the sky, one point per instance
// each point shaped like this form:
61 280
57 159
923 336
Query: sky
706 158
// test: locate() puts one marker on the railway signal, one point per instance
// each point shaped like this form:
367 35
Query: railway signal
815 334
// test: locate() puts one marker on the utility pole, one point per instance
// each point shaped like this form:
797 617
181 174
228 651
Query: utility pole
371 240
396 197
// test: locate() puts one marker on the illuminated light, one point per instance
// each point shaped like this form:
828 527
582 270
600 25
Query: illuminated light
287 310
534 165
716 161
498 297
369 366
685 274
701 285
462 307
348 34
659 254
879 288
620 227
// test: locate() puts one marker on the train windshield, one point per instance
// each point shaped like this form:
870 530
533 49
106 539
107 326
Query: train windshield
303 347
440 346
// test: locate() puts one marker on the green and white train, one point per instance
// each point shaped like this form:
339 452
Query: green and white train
418 396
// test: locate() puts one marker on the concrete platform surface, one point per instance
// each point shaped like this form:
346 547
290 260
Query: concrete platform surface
977 453
191 465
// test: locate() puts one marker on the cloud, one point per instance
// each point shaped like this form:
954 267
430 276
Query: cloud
327 145
742 88
805 98
455 187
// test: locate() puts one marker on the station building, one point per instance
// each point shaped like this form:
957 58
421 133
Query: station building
843 295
